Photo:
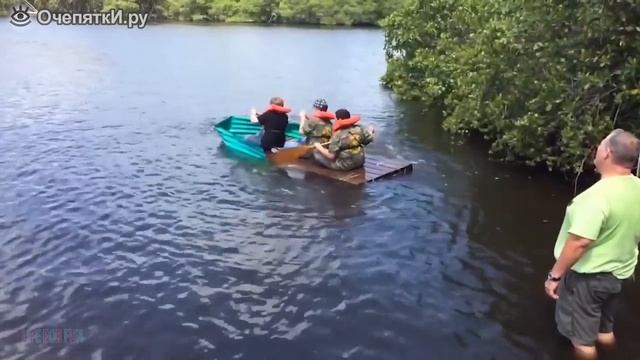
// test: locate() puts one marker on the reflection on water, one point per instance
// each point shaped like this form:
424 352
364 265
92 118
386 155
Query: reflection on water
121 214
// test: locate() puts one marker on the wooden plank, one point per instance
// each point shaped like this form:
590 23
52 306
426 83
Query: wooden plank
378 163
374 175
375 168
356 177
387 166
371 167
385 169
404 168
383 173
389 161
401 171
370 176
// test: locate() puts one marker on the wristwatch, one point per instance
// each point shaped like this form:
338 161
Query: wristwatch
552 278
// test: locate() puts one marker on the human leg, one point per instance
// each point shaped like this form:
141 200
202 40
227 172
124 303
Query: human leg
255 139
319 158
585 352
607 339
577 318
605 334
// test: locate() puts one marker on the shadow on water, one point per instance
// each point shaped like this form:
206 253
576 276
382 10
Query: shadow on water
341 200
241 160
281 186
422 126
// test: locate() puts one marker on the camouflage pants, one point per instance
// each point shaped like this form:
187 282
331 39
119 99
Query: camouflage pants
339 164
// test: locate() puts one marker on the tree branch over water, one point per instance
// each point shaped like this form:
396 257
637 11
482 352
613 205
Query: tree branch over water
542 81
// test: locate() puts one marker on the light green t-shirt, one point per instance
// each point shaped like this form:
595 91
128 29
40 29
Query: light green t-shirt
609 214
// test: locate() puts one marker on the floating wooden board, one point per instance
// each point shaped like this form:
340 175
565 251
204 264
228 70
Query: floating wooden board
375 168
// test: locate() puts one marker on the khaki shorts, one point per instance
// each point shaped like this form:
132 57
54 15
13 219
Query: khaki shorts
586 305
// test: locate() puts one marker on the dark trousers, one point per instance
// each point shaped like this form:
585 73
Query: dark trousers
586 305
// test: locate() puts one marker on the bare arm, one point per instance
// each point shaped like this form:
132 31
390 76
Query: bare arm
326 153
573 250
254 116
303 119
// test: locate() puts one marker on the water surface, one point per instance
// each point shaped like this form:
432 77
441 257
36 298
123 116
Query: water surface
121 214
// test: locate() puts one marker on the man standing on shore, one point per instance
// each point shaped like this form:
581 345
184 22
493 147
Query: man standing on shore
597 247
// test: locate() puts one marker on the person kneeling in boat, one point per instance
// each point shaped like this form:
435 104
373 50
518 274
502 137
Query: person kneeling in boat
346 147
274 123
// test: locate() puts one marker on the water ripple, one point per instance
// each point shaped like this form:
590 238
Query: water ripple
121 216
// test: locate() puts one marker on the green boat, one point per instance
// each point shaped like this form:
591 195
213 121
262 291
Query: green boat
233 130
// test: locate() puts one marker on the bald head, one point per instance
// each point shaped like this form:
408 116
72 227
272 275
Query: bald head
624 148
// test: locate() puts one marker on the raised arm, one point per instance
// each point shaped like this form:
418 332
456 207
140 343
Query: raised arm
303 119
254 116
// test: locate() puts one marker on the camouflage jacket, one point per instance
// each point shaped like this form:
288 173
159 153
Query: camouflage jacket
316 130
348 146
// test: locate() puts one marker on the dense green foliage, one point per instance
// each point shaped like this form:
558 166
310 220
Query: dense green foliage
543 81
325 12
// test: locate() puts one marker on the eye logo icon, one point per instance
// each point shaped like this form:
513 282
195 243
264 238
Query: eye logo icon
20 16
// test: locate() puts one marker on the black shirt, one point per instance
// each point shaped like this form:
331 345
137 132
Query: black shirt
274 124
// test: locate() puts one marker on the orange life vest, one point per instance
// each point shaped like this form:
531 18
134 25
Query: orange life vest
343 123
324 115
278 108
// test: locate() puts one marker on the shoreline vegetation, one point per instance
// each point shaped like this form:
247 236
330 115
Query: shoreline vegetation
540 83
292 12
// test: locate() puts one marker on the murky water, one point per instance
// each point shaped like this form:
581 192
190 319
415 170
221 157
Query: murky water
121 214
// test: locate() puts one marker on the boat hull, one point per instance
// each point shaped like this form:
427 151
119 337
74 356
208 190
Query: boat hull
233 130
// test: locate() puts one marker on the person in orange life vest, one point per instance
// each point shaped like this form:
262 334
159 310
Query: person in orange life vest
346 147
274 123
316 127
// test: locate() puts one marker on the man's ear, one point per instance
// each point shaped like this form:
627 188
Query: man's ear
607 152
